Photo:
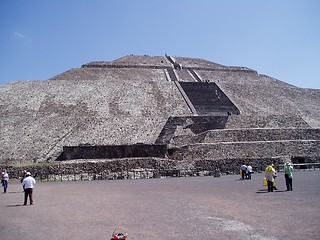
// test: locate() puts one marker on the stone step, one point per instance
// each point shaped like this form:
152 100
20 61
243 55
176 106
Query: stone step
208 98
247 135
250 149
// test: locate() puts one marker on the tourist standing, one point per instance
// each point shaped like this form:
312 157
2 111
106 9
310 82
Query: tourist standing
23 177
249 169
28 184
4 180
270 175
288 170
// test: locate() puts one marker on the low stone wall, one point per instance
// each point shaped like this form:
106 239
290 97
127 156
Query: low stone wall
134 168
113 151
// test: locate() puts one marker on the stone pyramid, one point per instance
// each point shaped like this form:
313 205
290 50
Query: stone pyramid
177 110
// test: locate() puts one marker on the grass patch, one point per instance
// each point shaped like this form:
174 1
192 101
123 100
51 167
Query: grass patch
39 164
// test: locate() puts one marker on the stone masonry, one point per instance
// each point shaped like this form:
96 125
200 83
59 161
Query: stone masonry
139 101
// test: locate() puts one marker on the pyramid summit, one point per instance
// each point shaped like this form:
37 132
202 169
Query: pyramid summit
176 109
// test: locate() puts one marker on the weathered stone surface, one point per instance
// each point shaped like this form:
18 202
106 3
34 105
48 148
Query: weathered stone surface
263 149
139 100
249 135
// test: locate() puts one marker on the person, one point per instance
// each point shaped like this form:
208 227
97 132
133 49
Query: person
28 185
23 177
249 170
4 180
243 169
288 169
270 175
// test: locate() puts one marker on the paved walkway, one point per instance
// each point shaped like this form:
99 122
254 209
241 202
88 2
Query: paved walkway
203 208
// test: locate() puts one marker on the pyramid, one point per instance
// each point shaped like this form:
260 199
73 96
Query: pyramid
162 110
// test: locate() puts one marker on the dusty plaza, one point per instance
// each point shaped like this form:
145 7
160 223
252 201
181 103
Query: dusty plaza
170 208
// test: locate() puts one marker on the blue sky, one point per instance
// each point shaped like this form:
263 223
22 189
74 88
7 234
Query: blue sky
41 38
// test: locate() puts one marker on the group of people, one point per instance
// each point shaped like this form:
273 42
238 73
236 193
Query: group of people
245 172
271 174
27 181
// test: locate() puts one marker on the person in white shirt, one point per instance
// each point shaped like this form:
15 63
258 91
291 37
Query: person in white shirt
4 180
28 184
249 169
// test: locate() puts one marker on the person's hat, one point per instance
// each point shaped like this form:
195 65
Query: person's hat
28 174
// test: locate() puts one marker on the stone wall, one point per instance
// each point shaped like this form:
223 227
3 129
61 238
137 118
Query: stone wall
112 151
132 168
266 149
255 94
248 135
40 117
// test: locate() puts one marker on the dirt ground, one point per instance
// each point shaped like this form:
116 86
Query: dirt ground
172 208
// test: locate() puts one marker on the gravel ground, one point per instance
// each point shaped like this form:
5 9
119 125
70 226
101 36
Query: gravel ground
172 208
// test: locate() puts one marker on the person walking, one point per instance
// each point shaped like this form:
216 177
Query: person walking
270 175
4 180
28 185
288 169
